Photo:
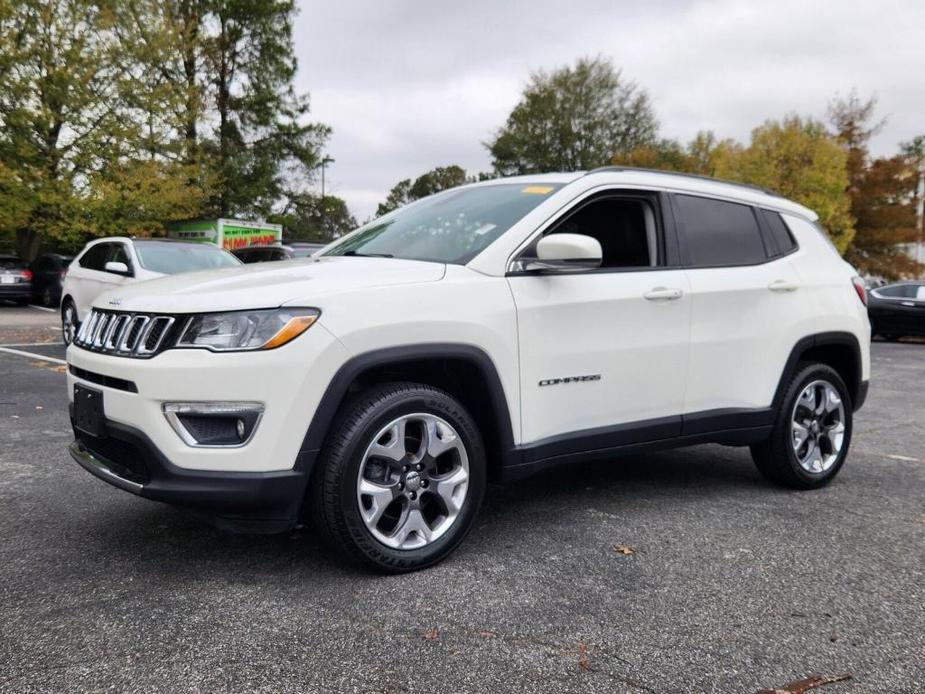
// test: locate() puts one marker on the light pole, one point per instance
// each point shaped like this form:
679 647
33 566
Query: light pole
324 162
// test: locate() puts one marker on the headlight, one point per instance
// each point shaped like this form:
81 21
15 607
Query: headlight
247 330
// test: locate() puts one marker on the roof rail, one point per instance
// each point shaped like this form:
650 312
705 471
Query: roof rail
642 169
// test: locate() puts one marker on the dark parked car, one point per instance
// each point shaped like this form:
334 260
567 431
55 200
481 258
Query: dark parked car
262 254
303 249
897 310
15 280
48 271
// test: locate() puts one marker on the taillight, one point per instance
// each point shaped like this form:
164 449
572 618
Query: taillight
26 275
860 289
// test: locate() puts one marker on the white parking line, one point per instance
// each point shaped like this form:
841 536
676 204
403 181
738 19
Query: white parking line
42 308
32 355
35 344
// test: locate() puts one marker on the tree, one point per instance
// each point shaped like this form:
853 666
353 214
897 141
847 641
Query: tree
433 181
67 132
914 152
879 192
799 159
313 218
702 155
57 118
262 143
571 119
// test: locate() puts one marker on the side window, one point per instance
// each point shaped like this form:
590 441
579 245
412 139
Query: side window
120 255
780 234
720 233
95 258
625 228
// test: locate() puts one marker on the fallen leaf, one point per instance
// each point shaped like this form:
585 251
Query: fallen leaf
431 634
802 686
485 634
625 550
583 661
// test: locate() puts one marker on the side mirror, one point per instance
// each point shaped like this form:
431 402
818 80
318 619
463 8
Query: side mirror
565 253
117 268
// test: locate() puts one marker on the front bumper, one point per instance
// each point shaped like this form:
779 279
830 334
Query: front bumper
261 502
289 382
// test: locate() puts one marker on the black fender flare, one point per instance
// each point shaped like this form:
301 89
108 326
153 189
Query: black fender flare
336 391
858 388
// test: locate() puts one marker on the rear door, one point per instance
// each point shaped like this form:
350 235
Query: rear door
747 309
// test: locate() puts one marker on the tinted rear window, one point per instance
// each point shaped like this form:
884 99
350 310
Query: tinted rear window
720 233
780 234
902 291
8 262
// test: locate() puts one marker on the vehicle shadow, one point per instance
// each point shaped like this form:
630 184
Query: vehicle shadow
159 540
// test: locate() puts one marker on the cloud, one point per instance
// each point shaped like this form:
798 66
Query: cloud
411 85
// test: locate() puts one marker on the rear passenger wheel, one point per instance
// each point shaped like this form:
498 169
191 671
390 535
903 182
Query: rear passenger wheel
401 479
812 430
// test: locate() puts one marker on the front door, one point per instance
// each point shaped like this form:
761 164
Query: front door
604 353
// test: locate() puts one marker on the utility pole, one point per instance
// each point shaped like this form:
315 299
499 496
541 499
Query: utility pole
920 213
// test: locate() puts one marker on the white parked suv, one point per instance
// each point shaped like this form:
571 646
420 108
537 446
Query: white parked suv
110 263
480 334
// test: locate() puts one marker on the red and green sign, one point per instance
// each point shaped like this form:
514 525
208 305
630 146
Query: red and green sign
230 234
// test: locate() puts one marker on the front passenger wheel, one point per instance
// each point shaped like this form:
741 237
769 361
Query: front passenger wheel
401 478
69 324
812 430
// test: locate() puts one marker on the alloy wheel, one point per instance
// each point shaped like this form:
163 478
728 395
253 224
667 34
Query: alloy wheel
817 426
413 481
68 324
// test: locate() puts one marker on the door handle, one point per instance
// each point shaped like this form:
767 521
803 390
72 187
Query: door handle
663 294
783 286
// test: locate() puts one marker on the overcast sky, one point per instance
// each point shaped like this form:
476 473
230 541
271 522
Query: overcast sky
412 84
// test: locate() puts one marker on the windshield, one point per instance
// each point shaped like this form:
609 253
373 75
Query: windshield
171 258
451 227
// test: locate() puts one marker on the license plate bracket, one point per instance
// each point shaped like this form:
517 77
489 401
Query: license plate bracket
88 410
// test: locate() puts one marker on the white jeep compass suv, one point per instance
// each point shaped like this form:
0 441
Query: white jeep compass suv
480 334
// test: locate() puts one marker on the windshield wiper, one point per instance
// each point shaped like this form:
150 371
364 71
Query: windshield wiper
357 254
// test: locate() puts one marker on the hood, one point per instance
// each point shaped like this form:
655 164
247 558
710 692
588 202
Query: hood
266 285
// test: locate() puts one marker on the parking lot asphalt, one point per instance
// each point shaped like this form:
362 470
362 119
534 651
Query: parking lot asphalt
673 572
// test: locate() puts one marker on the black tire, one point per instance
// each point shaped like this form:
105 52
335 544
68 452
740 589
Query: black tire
48 297
775 457
333 492
68 305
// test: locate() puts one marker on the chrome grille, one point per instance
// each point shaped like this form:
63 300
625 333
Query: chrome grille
124 334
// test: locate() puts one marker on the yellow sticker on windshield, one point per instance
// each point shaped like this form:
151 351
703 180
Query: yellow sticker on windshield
538 190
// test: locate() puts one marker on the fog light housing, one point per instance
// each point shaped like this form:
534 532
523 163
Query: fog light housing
214 424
